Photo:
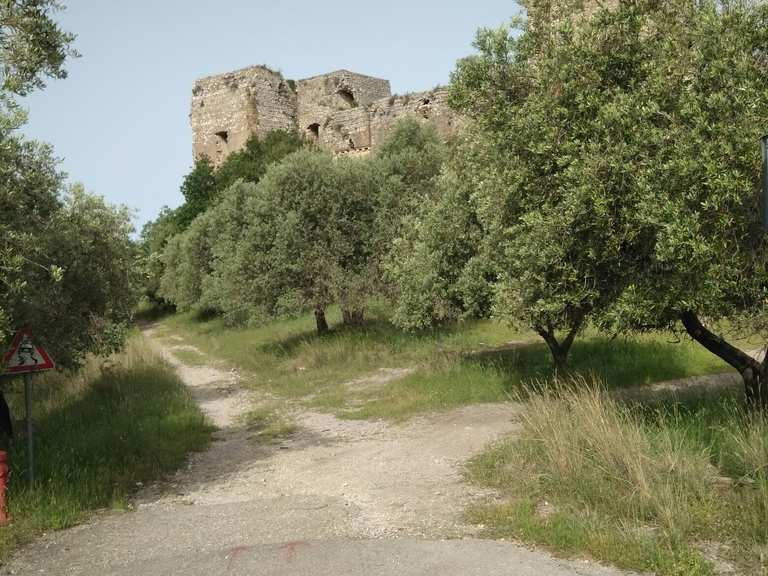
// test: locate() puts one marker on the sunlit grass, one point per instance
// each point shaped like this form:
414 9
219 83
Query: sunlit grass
470 362
267 424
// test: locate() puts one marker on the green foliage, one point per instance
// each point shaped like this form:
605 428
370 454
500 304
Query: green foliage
614 173
554 216
79 292
32 46
224 289
354 233
303 238
436 264
29 184
304 246
154 237
205 183
409 162
698 241
65 261
199 191
205 188
186 262
250 163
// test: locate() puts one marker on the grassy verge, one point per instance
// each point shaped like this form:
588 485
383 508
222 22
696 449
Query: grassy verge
98 434
668 490
268 424
480 361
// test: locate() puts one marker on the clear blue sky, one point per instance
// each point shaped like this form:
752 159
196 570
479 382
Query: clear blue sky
120 121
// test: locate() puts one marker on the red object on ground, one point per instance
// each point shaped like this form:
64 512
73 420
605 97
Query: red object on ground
4 518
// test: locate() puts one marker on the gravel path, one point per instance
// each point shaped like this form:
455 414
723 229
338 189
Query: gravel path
339 497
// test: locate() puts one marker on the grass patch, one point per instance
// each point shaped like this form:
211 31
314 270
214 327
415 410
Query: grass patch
640 488
97 434
477 361
267 424
190 356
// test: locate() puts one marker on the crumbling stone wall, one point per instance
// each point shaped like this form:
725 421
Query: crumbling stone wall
346 130
431 107
320 97
345 112
227 109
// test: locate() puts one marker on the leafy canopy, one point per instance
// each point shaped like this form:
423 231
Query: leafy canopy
614 164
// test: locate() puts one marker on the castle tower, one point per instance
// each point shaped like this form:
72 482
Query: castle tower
344 112
320 98
228 108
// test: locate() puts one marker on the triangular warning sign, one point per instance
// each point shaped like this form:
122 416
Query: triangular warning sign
26 356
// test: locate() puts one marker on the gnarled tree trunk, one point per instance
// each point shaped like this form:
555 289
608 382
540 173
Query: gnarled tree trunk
753 372
353 317
320 321
559 350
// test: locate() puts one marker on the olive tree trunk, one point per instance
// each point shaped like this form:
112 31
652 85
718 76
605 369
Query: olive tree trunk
321 322
558 349
353 317
753 372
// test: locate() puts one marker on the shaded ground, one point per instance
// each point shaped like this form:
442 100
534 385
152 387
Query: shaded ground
338 497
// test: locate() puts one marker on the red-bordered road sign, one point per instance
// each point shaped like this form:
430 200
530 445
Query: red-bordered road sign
26 356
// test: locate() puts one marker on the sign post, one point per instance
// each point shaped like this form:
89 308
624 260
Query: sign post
28 414
25 357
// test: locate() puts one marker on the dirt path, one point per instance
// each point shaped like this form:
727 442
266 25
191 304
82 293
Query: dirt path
339 497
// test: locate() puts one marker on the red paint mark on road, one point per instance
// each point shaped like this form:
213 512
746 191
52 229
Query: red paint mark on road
291 547
232 554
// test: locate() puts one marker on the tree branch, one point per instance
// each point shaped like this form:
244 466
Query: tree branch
716 344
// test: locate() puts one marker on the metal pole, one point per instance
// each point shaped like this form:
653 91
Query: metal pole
28 407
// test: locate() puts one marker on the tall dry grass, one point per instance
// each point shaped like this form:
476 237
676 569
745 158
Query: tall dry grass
638 487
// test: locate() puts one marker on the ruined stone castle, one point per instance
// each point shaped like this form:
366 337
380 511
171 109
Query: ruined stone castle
344 112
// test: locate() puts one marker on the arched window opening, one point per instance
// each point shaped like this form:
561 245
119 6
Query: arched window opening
347 96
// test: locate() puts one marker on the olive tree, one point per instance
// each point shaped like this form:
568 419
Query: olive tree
543 147
223 284
65 256
628 141
155 235
305 242
32 49
700 252
186 262
438 267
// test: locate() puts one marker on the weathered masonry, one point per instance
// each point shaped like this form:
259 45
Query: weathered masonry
345 112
